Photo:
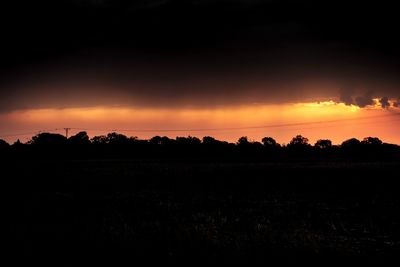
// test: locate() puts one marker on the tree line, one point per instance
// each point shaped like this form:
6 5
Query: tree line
118 145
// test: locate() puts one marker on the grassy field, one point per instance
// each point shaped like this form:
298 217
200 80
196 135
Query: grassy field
198 211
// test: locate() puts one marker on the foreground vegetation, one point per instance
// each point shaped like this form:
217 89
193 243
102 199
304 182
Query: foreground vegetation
116 199
180 210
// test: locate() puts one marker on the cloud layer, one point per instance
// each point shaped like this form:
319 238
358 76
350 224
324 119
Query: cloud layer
204 53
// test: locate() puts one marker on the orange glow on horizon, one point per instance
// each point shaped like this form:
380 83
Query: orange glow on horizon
315 120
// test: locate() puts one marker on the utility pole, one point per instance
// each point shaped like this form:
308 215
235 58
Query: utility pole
66 132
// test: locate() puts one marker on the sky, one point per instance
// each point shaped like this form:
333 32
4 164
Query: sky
224 68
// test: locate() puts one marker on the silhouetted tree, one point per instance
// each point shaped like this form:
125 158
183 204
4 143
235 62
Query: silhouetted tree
166 141
19 148
17 143
243 141
80 138
119 145
116 139
323 144
299 141
269 142
208 140
351 143
210 143
139 144
135 139
48 140
371 141
3 144
100 139
190 140
4 148
156 140
256 144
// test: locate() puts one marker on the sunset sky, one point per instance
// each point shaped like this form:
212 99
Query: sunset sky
219 68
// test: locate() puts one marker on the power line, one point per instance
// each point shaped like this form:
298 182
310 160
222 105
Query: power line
240 128
27 133
204 129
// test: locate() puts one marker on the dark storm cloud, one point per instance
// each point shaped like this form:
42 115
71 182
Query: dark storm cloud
175 86
384 101
193 52
346 96
365 100
366 97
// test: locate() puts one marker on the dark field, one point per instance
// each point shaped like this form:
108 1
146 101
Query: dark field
101 211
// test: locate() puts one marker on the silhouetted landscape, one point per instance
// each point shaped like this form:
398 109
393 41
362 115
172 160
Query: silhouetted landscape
119 146
200 131
113 199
